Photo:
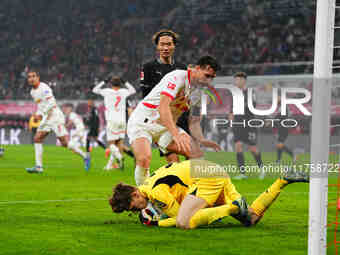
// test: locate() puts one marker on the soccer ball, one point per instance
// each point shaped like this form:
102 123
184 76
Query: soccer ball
152 212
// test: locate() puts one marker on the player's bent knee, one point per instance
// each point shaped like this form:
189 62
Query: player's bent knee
143 160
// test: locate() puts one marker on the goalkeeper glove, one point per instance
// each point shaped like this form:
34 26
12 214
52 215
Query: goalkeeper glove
146 218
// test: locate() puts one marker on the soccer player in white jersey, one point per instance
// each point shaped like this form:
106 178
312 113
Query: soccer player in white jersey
78 135
52 119
115 115
154 119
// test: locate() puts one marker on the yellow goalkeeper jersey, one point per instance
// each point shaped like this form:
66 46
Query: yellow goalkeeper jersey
167 187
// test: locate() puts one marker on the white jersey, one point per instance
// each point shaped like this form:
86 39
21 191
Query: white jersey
44 98
77 121
114 101
175 85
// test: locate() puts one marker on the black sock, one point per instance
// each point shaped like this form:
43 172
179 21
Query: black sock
130 153
88 145
101 144
240 162
285 149
258 159
279 154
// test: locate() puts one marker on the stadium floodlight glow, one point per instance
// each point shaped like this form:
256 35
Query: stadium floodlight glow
318 189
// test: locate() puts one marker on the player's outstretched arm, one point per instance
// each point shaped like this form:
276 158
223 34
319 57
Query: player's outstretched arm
182 140
197 134
98 88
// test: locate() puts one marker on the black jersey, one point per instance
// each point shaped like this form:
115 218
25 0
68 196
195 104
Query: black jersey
152 73
92 118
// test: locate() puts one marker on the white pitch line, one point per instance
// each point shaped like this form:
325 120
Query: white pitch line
50 201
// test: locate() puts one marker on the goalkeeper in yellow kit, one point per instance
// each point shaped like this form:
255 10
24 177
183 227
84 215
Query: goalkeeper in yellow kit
192 202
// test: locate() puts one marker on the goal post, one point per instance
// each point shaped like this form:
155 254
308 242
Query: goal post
320 135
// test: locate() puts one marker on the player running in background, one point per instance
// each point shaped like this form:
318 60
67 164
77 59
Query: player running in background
154 119
282 134
92 121
193 202
52 119
33 125
153 71
247 135
115 115
78 135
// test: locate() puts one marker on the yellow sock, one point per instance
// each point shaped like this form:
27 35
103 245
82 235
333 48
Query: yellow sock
208 215
169 222
263 202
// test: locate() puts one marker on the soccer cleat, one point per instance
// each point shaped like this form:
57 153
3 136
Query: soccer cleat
87 162
110 167
35 170
292 176
243 215
240 177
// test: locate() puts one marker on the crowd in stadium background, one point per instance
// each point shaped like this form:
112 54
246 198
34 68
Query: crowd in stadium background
83 42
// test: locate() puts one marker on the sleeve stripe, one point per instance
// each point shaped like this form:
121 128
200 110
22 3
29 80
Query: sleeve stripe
167 94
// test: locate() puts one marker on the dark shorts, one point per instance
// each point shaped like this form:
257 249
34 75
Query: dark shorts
93 132
282 135
183 122
245 135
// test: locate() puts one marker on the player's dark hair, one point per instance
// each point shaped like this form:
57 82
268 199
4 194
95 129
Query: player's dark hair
34 70
209 61
165 32
121 198
241 75
116 81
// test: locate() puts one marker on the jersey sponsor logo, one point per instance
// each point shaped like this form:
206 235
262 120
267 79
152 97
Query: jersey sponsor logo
46 92
142 76
171 85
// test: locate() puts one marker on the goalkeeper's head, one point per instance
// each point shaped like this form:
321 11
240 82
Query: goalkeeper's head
127 198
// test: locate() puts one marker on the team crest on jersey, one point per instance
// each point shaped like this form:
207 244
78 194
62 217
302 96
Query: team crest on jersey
142 76
171 86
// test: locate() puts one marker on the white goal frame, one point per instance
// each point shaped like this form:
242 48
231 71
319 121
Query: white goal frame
323 69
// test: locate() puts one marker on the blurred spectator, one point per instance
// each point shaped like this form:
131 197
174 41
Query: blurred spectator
73 44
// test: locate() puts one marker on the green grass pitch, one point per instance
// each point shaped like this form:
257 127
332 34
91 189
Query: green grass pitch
65 211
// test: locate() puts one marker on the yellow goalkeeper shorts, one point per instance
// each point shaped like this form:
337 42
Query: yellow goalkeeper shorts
208 189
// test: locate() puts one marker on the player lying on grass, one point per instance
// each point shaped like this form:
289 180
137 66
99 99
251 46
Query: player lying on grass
193 202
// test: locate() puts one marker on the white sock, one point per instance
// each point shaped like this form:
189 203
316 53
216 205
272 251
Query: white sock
141 174
115 151
111 160
76 149
38 154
